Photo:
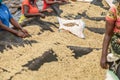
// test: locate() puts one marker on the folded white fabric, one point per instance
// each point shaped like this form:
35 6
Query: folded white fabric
110 2
77 28
85 0
112 57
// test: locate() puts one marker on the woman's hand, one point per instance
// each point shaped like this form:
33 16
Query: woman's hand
59 2
65 0
49 10
42 15
20 34
25 32
103 63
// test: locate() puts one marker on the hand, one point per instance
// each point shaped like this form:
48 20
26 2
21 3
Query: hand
21 34
65 0
25 31
42 15
59 2
103 63
49 10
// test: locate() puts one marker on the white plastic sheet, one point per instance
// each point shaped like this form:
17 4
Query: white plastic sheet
85 0
76 29
112 57
110 2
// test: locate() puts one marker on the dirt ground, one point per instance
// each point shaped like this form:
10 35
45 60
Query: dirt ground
66 63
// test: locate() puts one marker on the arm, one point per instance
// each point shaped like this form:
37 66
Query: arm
47 10
2 26
26 9
52 2
106 41
17 33
15 24
18 26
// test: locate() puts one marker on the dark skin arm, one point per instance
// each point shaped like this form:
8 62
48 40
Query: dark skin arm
17 33
15 23
26 9
22 33
47 10
18 26
106 41
53 2
2 26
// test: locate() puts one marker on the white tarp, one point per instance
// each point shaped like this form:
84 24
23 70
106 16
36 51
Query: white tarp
75 29
110 2
112 57
85 0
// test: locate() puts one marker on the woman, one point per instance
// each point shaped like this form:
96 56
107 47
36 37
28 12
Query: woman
30 9
5 18
112 38
48 3
53 5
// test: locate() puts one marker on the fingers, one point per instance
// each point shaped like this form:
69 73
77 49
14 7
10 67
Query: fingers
104 66
26 34
25 31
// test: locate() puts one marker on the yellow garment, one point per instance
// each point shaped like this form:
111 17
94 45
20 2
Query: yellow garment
22 18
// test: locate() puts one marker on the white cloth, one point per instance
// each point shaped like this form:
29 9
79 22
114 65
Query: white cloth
85 0
110 2
76 29
39 4
112 57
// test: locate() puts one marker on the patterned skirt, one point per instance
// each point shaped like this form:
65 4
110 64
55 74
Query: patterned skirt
115 46
114 66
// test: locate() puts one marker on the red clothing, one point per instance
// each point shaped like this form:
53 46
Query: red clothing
32 9
45 5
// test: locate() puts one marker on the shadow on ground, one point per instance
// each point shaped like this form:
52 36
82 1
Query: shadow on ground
99 3
96 30
79 51
7 40
79 15
35 64
43 24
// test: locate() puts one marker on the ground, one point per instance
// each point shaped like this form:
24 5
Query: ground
66 64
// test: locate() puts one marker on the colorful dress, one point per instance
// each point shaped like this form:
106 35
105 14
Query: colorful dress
45 5
114 16
114 57
32 9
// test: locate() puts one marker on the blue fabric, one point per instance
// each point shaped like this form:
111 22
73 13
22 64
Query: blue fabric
0 1
5 15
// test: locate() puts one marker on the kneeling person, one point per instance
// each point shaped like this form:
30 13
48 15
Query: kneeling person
5 18
30 9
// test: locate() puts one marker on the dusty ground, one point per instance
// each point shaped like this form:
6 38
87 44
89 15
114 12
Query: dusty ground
67 66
